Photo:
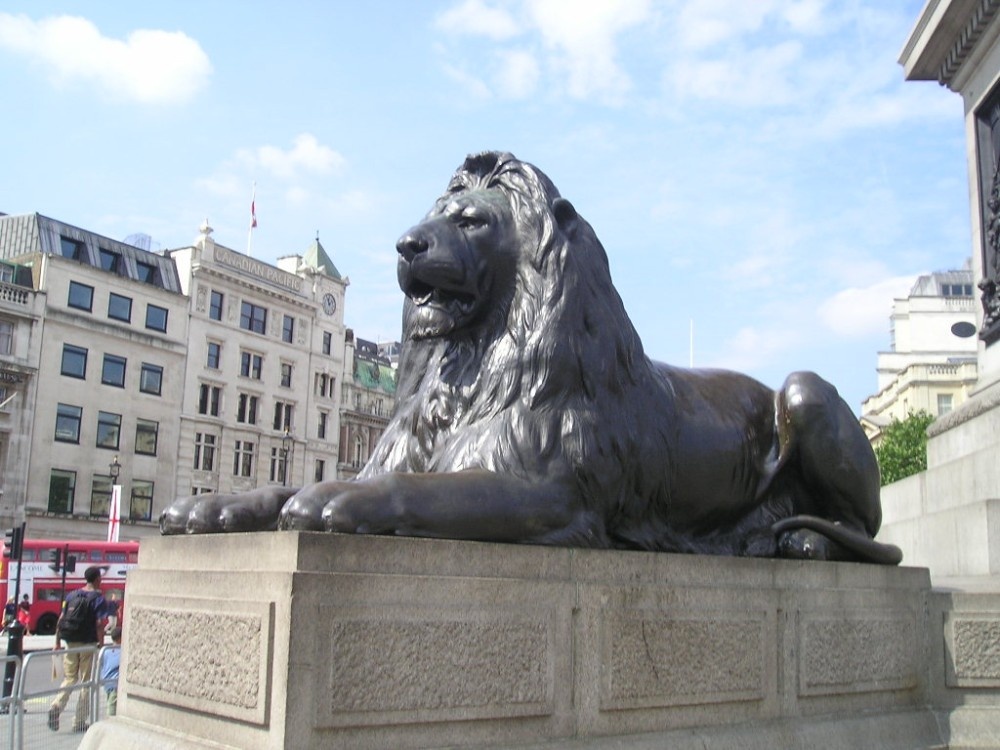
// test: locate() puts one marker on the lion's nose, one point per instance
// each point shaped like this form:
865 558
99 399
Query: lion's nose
409 246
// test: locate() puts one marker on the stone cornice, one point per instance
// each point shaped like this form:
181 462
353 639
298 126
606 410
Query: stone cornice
944 37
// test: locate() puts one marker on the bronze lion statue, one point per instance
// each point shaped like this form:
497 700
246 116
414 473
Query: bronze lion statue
528 412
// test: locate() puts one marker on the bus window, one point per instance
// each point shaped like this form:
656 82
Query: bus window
95 555
27 555
48 594
117 557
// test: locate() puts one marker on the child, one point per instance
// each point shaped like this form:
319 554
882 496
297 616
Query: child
109 670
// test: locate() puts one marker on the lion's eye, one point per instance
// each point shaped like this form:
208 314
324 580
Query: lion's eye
470 221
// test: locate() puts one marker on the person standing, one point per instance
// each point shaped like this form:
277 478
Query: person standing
81 624
110 661
24 613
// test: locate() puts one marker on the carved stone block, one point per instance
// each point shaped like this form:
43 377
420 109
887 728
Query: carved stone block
210 656
856 652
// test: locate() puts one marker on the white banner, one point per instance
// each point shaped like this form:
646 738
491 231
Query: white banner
115 512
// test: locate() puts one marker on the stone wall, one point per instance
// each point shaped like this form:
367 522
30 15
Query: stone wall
305 640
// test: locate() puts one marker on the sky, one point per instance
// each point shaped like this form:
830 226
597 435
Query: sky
763 179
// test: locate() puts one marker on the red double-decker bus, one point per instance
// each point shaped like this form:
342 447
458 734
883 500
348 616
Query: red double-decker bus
44 584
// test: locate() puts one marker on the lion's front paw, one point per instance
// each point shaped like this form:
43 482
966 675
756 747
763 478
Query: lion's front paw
256 510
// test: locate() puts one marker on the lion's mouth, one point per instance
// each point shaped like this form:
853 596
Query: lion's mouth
425 294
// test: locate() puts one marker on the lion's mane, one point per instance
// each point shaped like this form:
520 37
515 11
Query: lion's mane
538 389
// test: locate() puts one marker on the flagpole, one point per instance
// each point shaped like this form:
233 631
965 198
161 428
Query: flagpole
253 218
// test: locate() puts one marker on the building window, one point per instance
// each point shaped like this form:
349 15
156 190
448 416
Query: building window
62 488
151 379
113 371
209 397
146 272
215 306
251 365
204 451
320 470
109 260
109 428
327 342
214 355
321 431
286 375
243 459
100 496
944 403
253 318
74 361
141 507
324 385
956 290
72 249
81 296
6 337
156 318
282 415
287 329
120 307
358 458
146 432
246 409
279 466
68 420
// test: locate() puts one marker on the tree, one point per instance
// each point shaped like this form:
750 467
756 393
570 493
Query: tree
903 449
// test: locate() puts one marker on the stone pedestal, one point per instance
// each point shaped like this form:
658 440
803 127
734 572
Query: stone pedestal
948 517
307 640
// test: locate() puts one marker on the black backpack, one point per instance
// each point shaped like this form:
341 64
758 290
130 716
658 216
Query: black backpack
77 623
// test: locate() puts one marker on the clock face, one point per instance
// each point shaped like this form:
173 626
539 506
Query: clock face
329 304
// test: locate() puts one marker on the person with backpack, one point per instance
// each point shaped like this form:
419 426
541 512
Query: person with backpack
81 624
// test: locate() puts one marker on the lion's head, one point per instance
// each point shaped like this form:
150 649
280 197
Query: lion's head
508 316
459 267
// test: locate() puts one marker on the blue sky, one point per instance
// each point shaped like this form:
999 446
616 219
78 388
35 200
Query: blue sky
758 172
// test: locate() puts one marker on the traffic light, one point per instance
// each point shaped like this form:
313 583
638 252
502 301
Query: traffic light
13 542
70 563
56 556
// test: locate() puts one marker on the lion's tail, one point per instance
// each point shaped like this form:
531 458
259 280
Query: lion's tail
866 548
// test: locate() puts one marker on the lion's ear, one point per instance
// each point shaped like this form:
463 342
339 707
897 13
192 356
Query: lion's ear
565 215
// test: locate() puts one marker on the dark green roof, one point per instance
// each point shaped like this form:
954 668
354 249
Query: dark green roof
317 258
373 375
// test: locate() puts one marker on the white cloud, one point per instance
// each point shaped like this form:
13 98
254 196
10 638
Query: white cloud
475 18
307 155
583 37
473 85
756 77
518 74
580 41
751 348
148 66
861 311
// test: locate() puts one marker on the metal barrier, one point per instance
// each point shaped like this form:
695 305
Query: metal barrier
37 680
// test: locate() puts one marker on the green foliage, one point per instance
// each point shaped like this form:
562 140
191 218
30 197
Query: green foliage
903 450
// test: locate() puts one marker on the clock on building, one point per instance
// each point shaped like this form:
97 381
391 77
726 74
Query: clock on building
329 304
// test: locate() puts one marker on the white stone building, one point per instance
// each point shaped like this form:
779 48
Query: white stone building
21 315
369 397
931 364
265 351
100 349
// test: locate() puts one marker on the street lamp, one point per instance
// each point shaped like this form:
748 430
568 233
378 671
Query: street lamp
287 443
116 469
